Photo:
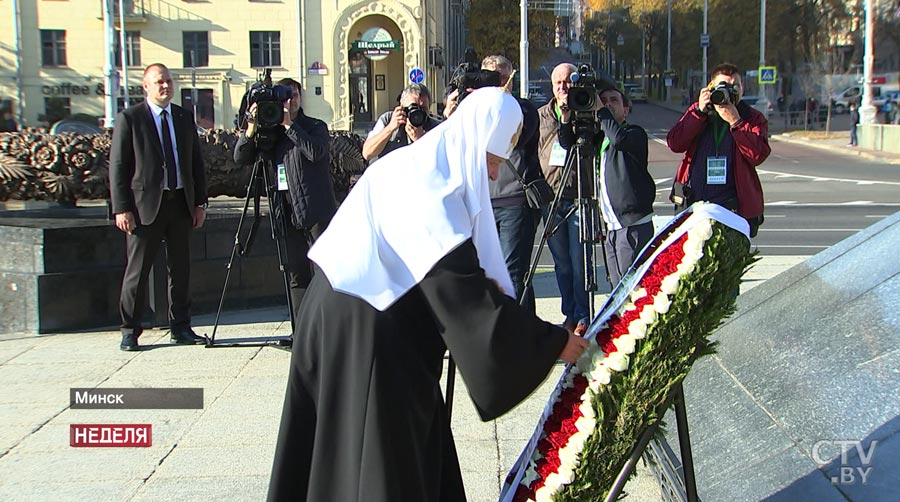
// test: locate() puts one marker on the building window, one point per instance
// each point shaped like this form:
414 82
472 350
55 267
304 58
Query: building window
53 47
196 43
132 48
56 109
265 48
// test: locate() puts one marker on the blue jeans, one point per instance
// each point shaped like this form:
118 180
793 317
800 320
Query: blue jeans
568 258
516 227
853 138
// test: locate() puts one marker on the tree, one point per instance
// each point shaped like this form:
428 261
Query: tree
494 29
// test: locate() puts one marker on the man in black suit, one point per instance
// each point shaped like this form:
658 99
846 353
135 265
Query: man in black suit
158 189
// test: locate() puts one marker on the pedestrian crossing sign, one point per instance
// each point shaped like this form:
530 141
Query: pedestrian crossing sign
767 75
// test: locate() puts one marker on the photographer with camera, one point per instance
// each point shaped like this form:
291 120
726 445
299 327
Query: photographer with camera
403 125
723 140
304 199
516 220
627 190
564 244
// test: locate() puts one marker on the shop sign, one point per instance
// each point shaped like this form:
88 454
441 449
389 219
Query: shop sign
317 68
70 89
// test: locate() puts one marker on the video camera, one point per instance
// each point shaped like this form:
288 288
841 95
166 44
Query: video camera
269 101
583 95
469 75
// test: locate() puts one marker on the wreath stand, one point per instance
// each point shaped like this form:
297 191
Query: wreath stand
678 489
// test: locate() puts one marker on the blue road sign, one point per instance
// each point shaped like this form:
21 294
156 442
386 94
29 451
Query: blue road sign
704 40
767 75
416 76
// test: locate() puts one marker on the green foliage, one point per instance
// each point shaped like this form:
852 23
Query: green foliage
494 29
637 397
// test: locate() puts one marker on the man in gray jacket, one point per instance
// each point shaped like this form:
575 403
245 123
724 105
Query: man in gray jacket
516 220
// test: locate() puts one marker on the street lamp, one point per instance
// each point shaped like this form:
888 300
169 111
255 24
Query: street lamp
867 111
763 102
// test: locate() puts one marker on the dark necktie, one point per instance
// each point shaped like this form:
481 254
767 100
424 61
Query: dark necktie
169 150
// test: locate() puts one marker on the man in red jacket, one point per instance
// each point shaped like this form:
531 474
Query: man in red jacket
723 140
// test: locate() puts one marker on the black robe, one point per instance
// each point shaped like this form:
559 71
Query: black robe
364 418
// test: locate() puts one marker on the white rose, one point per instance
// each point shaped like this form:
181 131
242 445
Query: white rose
685 267
584 425
703 230
637 329
598 358
586 409
553 481
669 285
601 374
638 294
567 459
617 361
661 302
576 442
625 343
594 385
628 306
567 473
648 315
693 246
544 493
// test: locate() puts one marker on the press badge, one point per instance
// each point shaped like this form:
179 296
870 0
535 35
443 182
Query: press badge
557 155
716 170
282 178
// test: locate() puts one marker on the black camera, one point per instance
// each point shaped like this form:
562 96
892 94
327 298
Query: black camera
469 75
723 93
416 115
269 101
582 96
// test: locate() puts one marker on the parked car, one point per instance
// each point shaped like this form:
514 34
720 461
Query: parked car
636 93
840 101
536 95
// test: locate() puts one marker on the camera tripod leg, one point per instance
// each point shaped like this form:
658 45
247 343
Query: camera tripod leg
235 250
259 175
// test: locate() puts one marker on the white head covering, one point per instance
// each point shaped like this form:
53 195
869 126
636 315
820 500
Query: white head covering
417 204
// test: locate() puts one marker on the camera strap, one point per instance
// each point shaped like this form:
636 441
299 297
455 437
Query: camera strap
719 129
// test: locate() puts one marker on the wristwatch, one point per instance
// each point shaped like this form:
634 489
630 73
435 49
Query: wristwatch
205 205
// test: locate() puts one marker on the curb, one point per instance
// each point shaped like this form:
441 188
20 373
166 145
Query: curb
866 154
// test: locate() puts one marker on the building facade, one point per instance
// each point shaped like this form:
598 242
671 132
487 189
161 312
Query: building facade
352 57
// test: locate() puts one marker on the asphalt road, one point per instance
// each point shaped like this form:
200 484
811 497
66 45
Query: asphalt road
814 198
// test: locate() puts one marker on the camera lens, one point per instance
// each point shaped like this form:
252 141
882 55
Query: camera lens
416 115
581 99
269 113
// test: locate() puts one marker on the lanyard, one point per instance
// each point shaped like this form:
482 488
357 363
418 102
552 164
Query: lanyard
558 113
718 133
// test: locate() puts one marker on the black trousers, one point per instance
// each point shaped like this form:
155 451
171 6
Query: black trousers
299 267
173 224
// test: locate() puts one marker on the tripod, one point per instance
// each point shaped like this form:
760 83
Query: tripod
263 166
581 158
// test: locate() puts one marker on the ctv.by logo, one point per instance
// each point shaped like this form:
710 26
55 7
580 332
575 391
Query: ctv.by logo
848 472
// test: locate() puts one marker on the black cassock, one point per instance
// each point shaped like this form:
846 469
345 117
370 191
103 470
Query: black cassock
364 418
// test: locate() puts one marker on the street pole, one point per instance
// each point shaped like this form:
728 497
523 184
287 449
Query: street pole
763 102
643 56
20 87
668 48
867 111
122 40
193 86
109 68
669 36
523 50
705 47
